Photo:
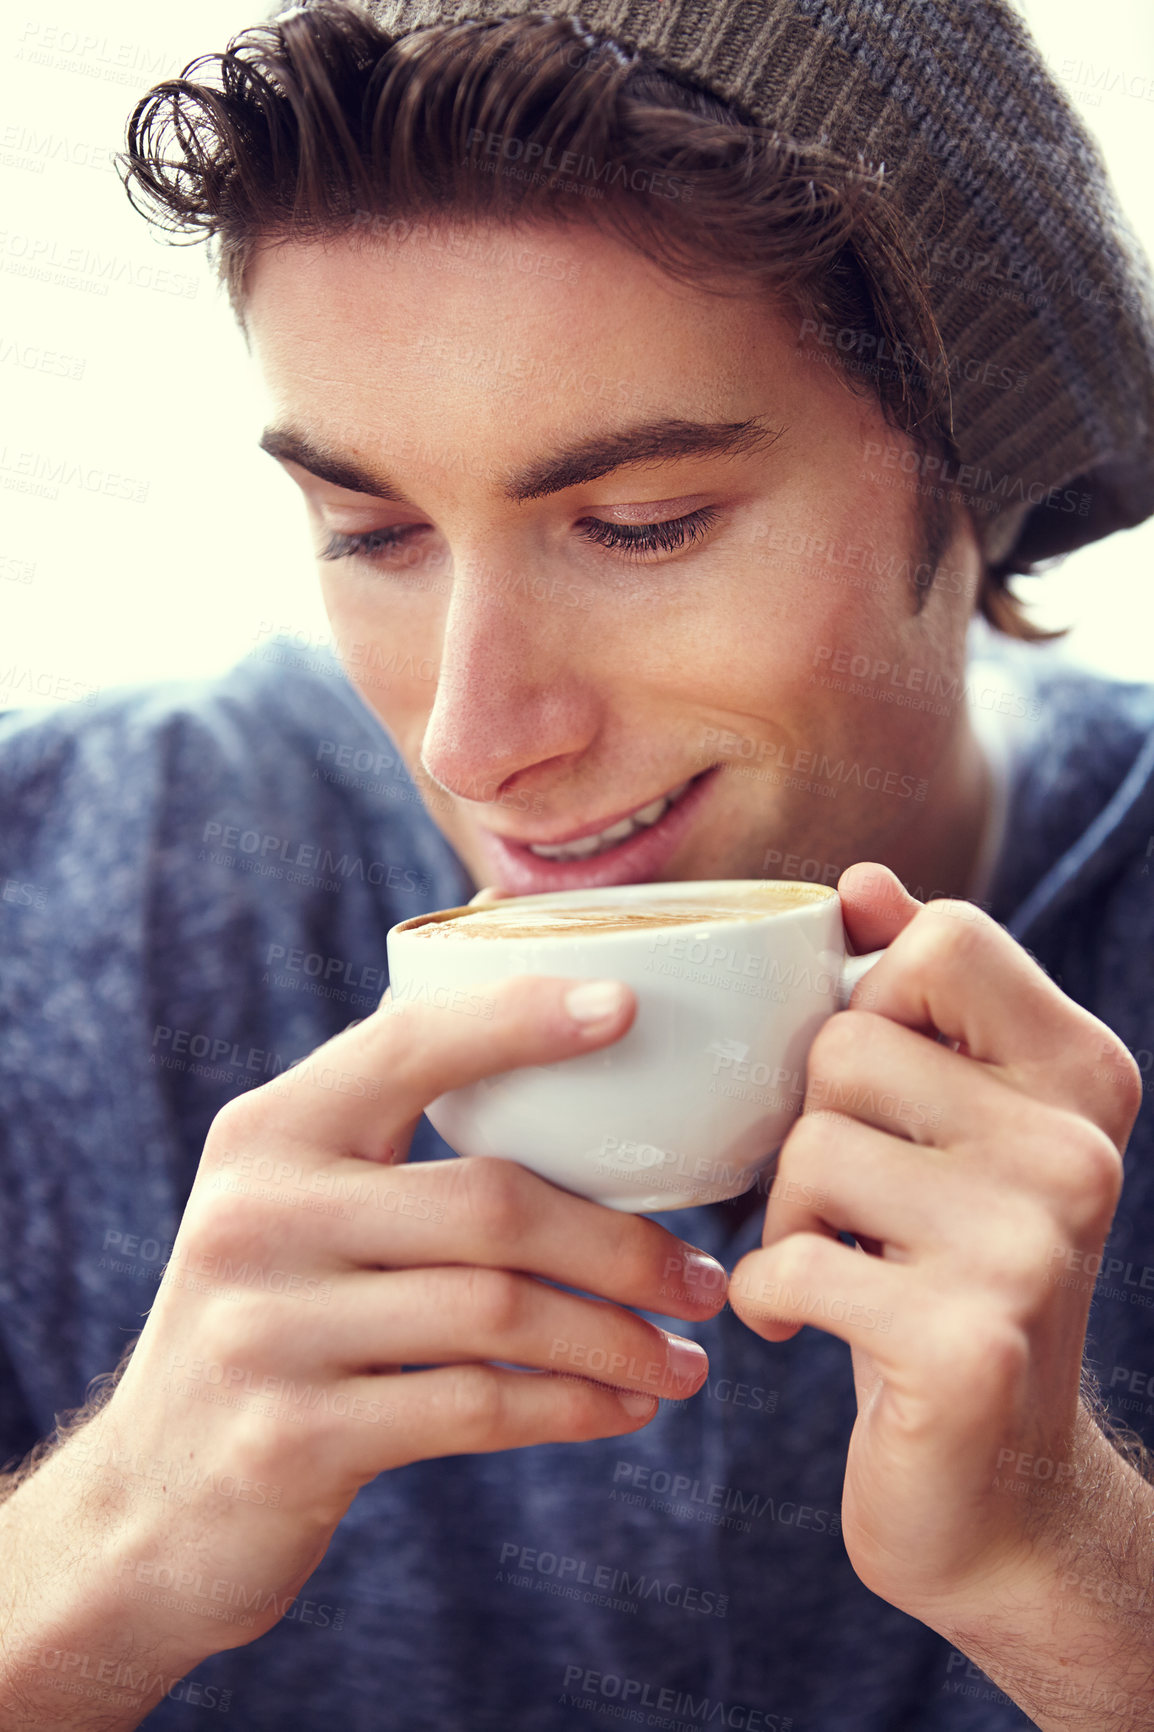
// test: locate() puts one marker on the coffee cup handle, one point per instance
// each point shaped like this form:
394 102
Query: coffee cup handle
852 970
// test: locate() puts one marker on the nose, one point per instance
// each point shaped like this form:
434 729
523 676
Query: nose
513 691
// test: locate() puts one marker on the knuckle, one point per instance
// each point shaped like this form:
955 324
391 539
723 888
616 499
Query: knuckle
810 1134
578 1407
987 1348
976 1354
838 1038
638 1251
402 1029
793 1260
1033 1247
524 1007
1124 1086
242 1329
806 1138
1005 1349
410 1031
478 1405
239 1121
259 1442
495 1196
1089 1173
963 916
950 931
222 1225
1130 1092
1016 1253
510 994
497 1301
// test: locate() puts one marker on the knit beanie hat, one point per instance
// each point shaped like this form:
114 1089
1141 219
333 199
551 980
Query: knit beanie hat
1031 265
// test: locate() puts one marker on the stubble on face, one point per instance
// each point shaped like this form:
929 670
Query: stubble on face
535 683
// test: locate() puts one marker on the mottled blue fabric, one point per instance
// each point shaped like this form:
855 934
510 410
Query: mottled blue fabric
151 971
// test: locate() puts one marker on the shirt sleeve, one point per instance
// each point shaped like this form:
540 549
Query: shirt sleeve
18 1432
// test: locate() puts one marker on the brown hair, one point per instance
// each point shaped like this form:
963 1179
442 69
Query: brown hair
320 123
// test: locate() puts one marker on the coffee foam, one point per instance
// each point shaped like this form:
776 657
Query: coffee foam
524 920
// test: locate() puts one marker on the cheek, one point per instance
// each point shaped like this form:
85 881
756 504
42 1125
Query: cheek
398 688
342 603
389 648
825 586
775 631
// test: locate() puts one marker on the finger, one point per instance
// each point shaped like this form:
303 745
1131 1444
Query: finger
396 1151
978 1122
910 1205
362 1090
946 1370
836 1175
476 1409
811 1279
954 969
875 905
444 1316
497 1214
876 1070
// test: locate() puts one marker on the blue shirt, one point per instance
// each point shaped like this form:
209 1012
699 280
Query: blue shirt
196 881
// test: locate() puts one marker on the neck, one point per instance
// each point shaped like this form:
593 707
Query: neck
938 856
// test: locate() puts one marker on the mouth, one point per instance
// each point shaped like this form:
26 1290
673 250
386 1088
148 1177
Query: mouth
631 849
593 842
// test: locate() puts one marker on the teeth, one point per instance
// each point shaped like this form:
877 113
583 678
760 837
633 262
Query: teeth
578 850
618 832
609 838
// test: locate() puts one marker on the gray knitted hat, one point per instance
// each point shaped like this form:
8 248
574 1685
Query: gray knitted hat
1032 267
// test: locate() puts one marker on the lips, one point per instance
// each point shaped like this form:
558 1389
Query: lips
637 857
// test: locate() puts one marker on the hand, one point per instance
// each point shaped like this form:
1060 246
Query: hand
974 1176
312 1265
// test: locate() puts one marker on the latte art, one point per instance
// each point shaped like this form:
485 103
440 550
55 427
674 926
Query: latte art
514 919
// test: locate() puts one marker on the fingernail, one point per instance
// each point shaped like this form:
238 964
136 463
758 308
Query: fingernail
594 1001
684 1361
636 1405
703 1272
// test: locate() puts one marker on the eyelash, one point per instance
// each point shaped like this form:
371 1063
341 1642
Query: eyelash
634 538
630 539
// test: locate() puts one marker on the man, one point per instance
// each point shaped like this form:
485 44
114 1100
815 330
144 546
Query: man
644 594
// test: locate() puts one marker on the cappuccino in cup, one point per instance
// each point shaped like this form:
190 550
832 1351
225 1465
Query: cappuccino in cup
733 979
518 918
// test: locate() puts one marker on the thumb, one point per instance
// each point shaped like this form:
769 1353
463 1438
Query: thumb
876 906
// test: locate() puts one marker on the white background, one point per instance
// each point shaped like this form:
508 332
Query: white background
151 392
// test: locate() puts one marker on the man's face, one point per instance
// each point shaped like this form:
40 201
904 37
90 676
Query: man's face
504 405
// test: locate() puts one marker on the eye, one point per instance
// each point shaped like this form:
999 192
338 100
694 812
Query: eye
380 546
391 547
638 538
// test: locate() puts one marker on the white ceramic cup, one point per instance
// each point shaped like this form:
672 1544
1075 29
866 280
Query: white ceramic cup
691 1104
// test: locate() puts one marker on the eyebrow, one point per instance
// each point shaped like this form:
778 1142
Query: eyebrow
641 443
